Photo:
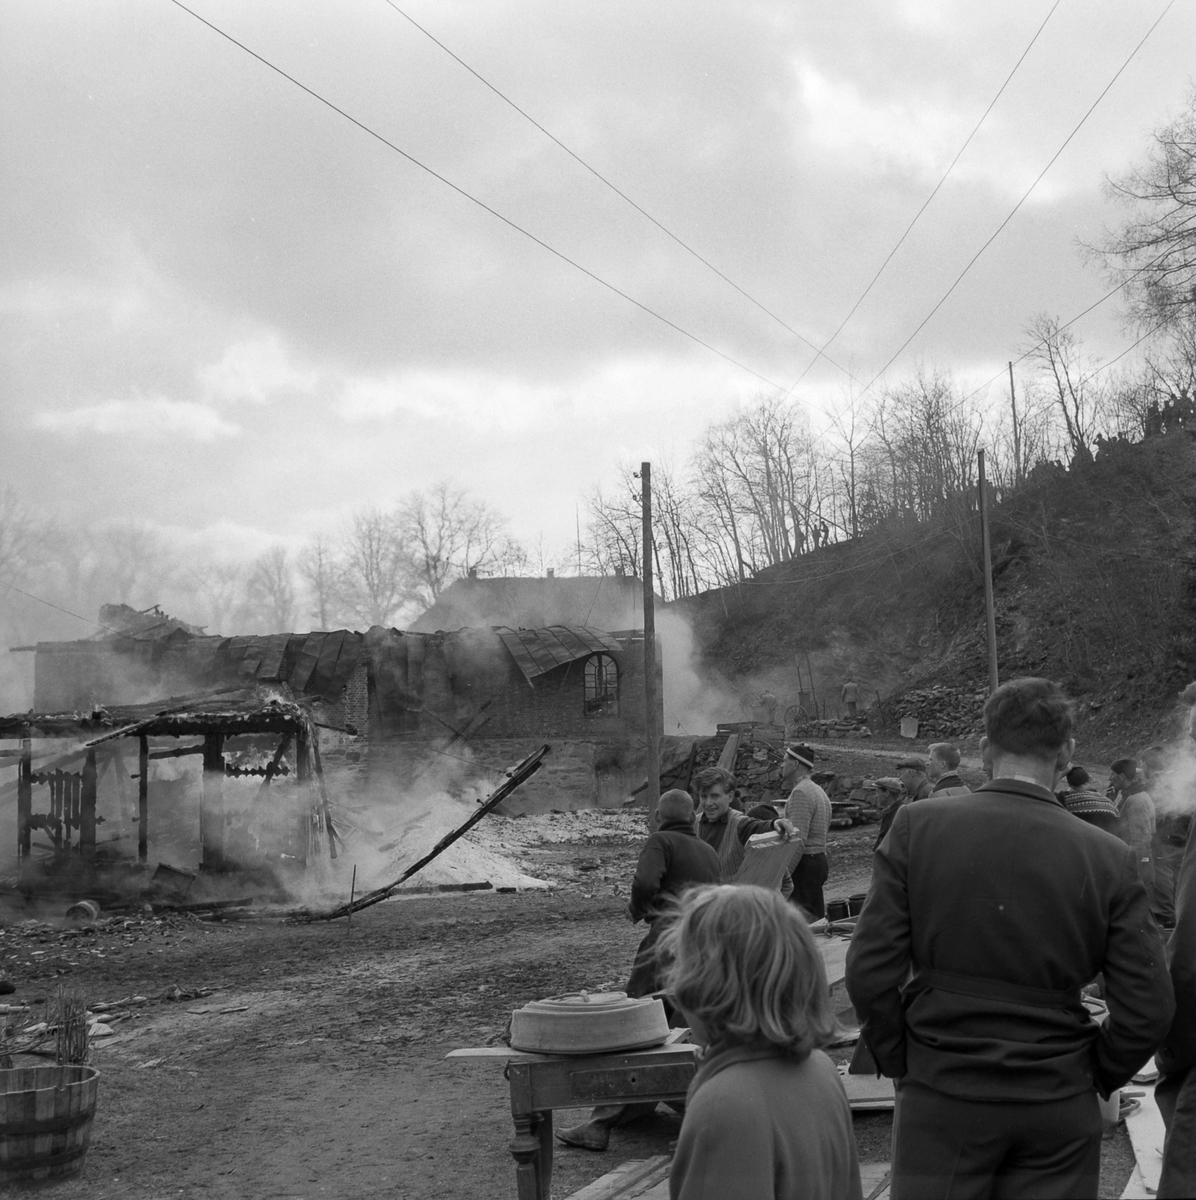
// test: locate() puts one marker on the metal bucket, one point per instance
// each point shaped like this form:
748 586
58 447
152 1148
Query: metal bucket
45 1121
837 910
855 904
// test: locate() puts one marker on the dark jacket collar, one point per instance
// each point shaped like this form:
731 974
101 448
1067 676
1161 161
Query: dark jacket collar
677 827
1019 787
951 779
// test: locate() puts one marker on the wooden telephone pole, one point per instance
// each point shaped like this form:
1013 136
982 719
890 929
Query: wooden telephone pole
990 611
651 696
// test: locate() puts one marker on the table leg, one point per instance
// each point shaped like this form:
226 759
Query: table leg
525 1148
545 1160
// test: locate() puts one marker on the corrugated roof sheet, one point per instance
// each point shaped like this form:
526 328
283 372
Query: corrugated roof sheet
538 651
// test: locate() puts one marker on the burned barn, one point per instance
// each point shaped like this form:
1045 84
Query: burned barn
386 705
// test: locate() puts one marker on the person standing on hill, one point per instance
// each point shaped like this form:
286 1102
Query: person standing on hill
942 770
1135 814
809 810
967 964
849 695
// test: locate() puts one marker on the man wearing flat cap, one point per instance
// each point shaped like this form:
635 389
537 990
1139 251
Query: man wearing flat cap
912 772
809 809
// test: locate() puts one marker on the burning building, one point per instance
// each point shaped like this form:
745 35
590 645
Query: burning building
387 704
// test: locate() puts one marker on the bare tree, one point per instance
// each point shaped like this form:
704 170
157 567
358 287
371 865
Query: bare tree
1076 392
448 534
220 586
1154 252
375 580
321 570
271 589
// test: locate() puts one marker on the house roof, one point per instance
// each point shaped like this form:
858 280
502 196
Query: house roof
591 601
230 711
538 651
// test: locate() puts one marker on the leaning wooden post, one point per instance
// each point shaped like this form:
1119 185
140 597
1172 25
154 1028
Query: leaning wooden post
303 779
211 811
990 610
24 798
651 697
87 808
143 799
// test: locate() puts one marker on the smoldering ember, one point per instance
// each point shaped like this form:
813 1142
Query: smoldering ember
598 603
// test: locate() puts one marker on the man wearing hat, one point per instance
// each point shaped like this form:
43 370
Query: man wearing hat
809 810
912 771
890 794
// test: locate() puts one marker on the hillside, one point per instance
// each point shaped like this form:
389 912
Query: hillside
1094 584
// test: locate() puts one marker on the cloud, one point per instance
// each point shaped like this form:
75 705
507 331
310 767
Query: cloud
153 418
256 371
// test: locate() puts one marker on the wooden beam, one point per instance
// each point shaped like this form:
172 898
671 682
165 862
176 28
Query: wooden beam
24 798
211 805
143 798
303 779
87 808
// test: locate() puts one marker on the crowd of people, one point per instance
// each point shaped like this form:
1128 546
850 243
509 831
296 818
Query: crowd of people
1009 968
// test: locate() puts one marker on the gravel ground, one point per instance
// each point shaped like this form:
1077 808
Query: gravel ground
270 1060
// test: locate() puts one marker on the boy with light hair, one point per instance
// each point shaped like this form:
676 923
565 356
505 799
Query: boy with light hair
942 769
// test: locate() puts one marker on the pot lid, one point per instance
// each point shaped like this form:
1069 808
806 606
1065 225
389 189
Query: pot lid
586 1002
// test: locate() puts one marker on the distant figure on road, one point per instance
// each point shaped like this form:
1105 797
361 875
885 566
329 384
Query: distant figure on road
912 772
768 701
850 696
942 770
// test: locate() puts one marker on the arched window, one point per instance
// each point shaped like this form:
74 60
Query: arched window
602 686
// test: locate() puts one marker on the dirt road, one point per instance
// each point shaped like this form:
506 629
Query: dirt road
315 1067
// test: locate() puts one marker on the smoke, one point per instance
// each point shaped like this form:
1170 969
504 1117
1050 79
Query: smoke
1173 787
696 698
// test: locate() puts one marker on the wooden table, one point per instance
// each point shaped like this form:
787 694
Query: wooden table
542 1082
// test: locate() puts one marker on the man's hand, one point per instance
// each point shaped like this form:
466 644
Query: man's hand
785 828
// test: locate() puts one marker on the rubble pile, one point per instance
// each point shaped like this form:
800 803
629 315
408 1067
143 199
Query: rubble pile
856 727
943 710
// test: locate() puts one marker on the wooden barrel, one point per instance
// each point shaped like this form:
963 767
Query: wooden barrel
45 1120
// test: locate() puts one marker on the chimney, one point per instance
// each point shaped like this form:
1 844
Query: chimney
551 573
618 572
473 572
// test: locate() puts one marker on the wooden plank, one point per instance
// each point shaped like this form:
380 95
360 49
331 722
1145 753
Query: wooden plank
875 1180
87 808
726 760
766 859
143 798
867 1093
1135 1188
630 1180
1147 1135
834 958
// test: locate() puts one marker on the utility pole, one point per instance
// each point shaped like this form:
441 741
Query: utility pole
651 697
990 611
1017 432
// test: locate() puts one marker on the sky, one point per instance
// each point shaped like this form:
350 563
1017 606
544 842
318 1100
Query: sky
230 312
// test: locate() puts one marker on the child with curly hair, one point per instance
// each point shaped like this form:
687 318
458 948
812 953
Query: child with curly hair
766 1116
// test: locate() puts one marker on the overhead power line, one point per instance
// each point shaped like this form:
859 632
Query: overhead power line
623 195
50 604
821 353
1026 195
473 199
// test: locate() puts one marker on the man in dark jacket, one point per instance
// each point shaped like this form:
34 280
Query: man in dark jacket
672 859
983 923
